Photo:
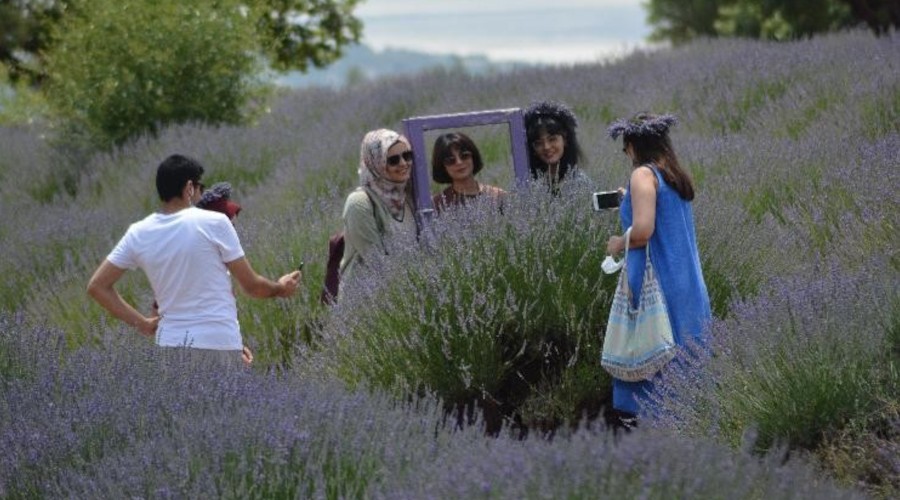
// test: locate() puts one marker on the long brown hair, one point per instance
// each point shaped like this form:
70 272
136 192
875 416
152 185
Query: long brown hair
657 149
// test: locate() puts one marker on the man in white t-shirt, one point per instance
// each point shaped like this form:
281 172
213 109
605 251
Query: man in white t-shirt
187 254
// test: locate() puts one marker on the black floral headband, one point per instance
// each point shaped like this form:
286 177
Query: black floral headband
642 125
550 109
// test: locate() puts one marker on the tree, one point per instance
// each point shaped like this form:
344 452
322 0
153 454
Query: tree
682 20
25 28
290 34
302 32
118 68
880 15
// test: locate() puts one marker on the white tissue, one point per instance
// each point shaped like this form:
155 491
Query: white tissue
609 265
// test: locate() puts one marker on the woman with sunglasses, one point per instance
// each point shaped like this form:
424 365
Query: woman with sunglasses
455 160
379 213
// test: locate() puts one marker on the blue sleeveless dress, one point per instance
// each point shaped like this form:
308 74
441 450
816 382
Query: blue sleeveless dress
674 255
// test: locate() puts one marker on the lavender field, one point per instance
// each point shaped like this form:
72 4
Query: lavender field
468 365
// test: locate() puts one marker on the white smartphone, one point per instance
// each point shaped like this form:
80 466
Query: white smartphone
605 200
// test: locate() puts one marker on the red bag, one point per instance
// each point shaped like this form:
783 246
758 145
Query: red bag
333 268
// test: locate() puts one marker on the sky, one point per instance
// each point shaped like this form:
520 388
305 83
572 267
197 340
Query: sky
536 31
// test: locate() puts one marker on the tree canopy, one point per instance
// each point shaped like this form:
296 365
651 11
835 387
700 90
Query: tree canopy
681 20
290 34
115 69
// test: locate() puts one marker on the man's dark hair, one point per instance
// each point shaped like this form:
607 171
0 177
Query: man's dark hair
173 173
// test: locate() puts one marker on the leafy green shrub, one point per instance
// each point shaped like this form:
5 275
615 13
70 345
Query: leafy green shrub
122 68
19 103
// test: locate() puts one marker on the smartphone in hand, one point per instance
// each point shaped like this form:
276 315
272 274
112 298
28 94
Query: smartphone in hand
605 200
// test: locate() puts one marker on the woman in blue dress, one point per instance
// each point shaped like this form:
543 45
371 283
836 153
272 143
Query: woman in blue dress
657 207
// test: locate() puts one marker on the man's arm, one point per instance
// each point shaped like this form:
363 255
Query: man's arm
101 288
259 286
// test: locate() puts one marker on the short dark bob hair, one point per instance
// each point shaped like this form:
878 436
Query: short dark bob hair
444 146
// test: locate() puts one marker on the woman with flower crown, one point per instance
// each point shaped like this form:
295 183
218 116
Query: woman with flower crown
553 150
657 208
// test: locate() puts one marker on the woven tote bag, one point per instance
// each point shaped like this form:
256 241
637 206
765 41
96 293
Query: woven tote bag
638 342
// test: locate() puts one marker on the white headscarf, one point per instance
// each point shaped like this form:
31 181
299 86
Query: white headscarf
372 169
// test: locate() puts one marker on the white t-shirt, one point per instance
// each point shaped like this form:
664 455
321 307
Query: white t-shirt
184 256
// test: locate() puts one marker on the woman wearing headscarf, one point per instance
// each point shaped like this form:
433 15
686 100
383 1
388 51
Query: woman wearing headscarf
553 150
379 213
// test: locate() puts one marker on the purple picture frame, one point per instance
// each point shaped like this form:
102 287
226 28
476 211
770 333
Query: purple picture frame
415 128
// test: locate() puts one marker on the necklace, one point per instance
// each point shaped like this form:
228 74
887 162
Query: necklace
469 195
553 171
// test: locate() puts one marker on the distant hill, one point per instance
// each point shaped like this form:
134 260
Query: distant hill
360 63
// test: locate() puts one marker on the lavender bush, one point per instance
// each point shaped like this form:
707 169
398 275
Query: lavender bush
799 366
130 420
500 308
796 360
794 150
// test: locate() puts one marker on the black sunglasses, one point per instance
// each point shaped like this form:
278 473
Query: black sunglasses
199 185
451 159
394 160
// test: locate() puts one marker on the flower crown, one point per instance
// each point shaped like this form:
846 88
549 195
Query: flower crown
218 191
642 125
550 109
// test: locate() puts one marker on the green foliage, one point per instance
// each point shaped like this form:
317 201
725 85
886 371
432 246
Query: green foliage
19 104
292 34
780 20
120 69
26 32
798 394
293 45
680 21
